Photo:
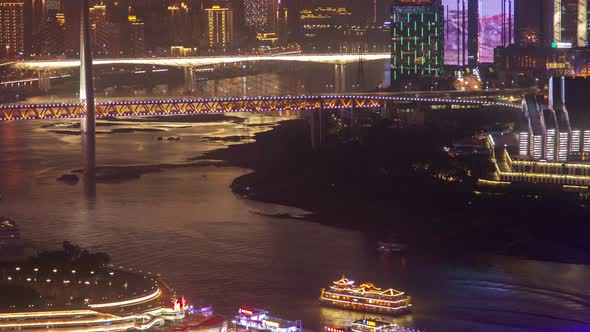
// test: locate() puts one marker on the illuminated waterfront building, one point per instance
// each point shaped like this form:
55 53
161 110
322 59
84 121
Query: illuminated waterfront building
549 150
220 27
181 51
12 28
417 43
86 300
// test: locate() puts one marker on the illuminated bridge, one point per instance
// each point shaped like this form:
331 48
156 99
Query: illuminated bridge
227 105
338 59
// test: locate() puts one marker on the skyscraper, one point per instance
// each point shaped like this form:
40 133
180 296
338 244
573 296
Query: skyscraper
543 22
417 43
220 27
474 28
71 11
533 21
12 28
179 21
261 15
570 23
137 36
105 35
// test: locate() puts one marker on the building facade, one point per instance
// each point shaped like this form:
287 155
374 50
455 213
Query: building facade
260 16
137 36
12 28
220 27
540 23
417 41
570 22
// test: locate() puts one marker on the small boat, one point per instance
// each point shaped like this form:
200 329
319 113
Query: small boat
9 232
392 244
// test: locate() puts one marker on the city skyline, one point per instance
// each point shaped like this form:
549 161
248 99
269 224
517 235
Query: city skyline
294 166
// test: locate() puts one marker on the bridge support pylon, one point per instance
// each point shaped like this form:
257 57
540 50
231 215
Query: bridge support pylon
339 78
189 80
44 82
318 126
88 124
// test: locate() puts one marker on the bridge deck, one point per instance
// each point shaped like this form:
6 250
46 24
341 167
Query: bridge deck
222 105
200 61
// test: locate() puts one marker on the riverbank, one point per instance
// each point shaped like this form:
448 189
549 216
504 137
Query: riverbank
374 185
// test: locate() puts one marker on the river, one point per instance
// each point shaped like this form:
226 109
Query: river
217 248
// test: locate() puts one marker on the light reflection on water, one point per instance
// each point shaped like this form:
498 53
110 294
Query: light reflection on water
212 246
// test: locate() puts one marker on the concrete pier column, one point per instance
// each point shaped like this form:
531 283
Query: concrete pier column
44 82
386 112
352 119
88 125
189 80
319 127
339 78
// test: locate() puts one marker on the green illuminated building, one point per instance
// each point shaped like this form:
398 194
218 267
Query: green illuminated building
417 41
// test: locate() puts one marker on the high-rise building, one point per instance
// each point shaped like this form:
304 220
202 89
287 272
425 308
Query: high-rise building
137 36
541 23
292 8
260 16
474 28
105 35
71 11
179 23
117 12
220 27
570 22
533 23
12 28
151 14
417 43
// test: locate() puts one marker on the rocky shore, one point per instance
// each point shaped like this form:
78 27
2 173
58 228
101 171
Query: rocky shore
374 185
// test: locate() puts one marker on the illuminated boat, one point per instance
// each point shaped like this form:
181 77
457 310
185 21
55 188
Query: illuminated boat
260 320
365 297
374 325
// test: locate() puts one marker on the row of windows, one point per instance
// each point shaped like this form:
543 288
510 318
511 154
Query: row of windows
553 170
545 180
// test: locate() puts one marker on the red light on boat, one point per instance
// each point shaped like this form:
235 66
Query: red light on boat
246 312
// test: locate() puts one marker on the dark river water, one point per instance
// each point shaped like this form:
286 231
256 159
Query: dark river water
215 247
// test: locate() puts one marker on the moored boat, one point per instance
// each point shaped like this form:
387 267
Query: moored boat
9 233
376 325
391 245
261 320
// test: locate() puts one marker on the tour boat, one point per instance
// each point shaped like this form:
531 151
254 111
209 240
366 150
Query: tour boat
365 297
260 320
